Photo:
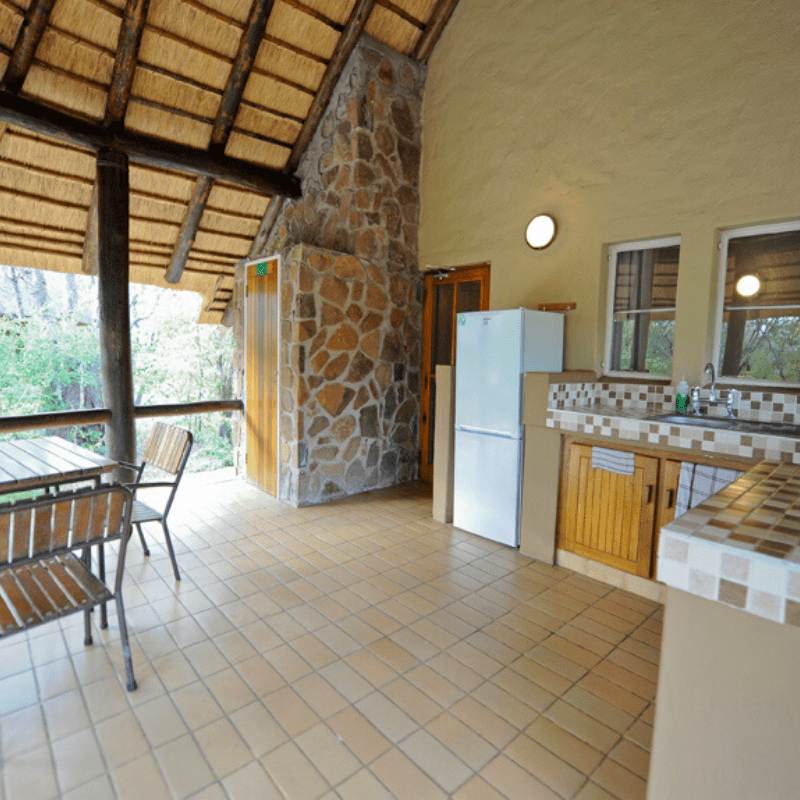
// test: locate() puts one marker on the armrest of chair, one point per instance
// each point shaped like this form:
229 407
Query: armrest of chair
152 485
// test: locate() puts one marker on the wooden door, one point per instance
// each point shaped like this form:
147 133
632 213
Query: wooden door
261 405
609 517
446 294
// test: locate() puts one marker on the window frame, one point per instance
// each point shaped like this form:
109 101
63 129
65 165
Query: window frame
613 250
725 235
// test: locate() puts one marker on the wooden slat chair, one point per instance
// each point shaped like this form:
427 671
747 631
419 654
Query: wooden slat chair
42 578
167 450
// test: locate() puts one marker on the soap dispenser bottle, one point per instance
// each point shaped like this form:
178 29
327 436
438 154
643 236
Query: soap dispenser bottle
682 397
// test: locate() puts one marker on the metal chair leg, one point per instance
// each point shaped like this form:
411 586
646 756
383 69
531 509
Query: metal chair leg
101 565
87 619
126 647
171 551
141 539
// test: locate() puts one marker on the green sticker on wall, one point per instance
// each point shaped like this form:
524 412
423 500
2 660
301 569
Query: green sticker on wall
462 320
261 269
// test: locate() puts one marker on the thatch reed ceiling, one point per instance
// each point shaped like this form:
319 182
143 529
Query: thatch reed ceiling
215 101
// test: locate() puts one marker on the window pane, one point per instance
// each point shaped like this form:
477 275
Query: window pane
759 338
468 297
643 319
442 344
755 345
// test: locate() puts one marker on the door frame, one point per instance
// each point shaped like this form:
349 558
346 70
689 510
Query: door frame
481 270
247 313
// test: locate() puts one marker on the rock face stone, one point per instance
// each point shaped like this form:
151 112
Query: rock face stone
351 316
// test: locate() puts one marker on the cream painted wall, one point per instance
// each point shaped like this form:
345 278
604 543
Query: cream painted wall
627 119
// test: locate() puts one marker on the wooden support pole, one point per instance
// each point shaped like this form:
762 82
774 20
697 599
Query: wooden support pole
115 323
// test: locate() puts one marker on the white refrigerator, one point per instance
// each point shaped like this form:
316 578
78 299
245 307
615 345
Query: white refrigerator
493 351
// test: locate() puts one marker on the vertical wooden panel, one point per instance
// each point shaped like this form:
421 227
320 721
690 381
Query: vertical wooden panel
22 535
261 404
606 516
5 535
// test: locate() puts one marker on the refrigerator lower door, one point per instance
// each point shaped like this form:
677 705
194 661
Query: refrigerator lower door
486 486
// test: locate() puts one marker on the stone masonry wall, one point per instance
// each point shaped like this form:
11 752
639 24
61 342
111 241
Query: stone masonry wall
351 313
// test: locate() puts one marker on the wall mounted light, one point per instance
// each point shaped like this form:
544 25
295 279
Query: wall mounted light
541 231
748 285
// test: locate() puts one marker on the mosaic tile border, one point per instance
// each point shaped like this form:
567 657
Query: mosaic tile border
630 429
741 547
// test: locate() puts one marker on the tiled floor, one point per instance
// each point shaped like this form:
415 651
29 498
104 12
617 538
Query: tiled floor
357 650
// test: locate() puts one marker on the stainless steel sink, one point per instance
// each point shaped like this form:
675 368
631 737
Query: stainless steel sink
730 424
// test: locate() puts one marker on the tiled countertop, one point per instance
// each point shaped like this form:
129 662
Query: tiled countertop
630 425
741 547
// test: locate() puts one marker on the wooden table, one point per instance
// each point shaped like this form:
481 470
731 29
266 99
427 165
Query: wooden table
45 461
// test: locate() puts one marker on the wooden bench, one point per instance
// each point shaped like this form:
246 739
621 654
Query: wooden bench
41 576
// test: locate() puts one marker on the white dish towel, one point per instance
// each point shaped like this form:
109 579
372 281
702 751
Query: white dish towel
619 461
698 482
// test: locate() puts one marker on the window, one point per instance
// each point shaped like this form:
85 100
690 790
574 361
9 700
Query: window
641 309
759 326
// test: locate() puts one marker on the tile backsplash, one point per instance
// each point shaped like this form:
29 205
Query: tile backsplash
761 406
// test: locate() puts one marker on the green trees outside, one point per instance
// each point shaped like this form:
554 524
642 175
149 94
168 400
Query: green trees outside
50 358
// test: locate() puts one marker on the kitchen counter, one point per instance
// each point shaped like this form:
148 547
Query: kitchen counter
741 547
728 709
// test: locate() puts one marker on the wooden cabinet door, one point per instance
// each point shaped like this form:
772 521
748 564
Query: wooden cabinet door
609 517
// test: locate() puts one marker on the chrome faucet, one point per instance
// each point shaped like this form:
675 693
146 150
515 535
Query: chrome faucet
712 396
713 399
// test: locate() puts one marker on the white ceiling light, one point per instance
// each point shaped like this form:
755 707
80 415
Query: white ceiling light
748 285
541 231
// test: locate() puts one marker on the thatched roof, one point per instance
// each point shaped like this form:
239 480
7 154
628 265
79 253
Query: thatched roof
243 82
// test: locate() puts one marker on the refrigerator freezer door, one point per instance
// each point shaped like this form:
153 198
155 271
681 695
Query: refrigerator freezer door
486 498
543 335
488 371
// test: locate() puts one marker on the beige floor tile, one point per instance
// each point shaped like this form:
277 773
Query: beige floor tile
598 708
196 705
258 728
78 760
251 781
510 707
184 766
566 746
291 711
591 791
229 690
320 695
99 788
55 677
404 779
558 662
327 753
514 782
346 680
476 788
223 747
640 733
121 739
65 714
551 770
371 667
160 721
526 691
363 786
21 731
30 775
105 698
390 720
293 774
415 703
436 760
627 679
472 749
584 727
613 693
359 734
617 780
260 676
484 722
634 758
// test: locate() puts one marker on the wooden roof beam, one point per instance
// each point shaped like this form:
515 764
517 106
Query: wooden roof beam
28 38
433 30
347 42
223 124
55 124
130 37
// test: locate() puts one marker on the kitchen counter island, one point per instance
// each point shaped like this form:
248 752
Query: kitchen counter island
728 709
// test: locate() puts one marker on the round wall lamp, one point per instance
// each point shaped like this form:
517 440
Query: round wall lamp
748 285
541 231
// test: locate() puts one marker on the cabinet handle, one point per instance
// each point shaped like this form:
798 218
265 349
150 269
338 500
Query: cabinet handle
649 494
670 497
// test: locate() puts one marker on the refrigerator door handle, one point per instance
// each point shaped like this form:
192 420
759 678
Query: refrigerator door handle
488 431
